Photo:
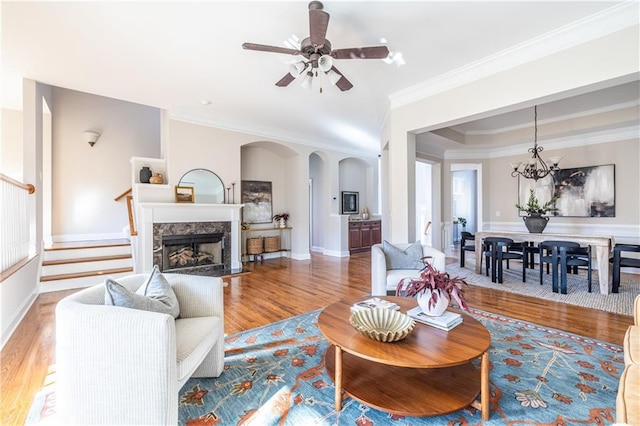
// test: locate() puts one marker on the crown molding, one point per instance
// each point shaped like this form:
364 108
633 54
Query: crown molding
594 138
269 134
592 27
556 119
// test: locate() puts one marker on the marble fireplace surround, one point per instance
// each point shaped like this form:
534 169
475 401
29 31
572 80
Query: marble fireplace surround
197 216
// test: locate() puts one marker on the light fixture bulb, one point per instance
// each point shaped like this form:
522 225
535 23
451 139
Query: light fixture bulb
297 68
307 80
325 63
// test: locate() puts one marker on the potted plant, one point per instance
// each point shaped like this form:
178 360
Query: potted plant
463 223
433 290
281 218
535 221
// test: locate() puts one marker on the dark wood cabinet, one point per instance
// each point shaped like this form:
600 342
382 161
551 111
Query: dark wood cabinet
363 234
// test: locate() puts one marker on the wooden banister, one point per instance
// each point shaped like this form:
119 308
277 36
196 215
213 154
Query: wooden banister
132 224
26 186
124 194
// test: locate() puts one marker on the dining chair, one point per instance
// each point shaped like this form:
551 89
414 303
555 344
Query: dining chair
620 261
464 247
496 250
563 256
573 258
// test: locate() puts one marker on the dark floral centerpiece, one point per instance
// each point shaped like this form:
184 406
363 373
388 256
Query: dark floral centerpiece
433 290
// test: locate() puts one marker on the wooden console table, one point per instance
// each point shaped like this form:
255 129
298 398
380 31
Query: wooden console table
601 243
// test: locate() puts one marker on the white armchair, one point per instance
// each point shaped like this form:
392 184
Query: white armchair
120 365
384 280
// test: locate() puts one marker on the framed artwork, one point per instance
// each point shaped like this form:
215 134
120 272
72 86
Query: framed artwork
582 191
349 202
184 194
256 197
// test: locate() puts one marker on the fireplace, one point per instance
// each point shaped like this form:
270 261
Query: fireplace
197 248
180 252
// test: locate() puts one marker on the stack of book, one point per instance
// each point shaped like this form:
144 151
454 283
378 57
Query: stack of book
445 322
374 303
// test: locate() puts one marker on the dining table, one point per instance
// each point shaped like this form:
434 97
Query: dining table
601 244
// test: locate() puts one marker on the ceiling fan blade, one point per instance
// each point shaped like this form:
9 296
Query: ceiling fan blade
343 84
373 52
318 23
266 48
284 81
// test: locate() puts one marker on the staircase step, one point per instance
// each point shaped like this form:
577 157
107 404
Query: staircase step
85 274
86 266
86 252
71 245
85 259
71 281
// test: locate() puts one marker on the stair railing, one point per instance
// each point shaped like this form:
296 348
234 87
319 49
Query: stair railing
14 223
132 223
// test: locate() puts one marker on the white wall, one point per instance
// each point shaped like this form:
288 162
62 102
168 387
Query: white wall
87 179
11 145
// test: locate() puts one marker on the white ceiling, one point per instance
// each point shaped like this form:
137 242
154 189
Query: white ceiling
175 55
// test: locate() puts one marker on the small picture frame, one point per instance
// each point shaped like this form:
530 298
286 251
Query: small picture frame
184 194
349 202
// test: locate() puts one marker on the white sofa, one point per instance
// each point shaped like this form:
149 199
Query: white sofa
120 366
628 397
383 280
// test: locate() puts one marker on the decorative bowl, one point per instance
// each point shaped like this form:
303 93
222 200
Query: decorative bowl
381 324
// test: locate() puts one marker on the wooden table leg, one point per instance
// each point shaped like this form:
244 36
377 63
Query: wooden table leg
338 379
602 258
484 385
478 254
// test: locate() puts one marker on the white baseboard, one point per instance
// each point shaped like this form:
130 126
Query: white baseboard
300 256
18 317
336 253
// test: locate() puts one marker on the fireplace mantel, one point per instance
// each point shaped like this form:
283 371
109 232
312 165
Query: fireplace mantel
150 213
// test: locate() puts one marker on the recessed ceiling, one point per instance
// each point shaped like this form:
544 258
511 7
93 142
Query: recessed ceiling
174 55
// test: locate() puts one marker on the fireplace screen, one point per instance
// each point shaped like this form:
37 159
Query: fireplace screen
192 251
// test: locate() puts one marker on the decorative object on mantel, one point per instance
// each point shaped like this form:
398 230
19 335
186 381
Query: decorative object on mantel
145 174
281 219
433 290
233 192
535 168
535 221
207 186
184 194
157 179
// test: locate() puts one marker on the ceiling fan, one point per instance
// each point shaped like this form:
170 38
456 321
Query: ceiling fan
316 50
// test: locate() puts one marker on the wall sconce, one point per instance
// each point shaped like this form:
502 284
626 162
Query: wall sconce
91 137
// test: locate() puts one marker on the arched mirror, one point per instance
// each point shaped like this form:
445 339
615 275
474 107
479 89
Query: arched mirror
207 186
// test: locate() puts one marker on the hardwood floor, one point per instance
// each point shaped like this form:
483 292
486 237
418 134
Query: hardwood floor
276 289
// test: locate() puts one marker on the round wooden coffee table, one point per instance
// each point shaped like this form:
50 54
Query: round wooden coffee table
427 374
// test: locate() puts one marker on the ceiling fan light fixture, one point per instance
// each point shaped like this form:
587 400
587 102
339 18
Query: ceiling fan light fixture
297 68
307 80
325 63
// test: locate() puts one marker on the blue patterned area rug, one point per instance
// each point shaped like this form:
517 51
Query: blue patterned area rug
274 375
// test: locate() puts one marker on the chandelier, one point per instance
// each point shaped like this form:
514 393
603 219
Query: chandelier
535 168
